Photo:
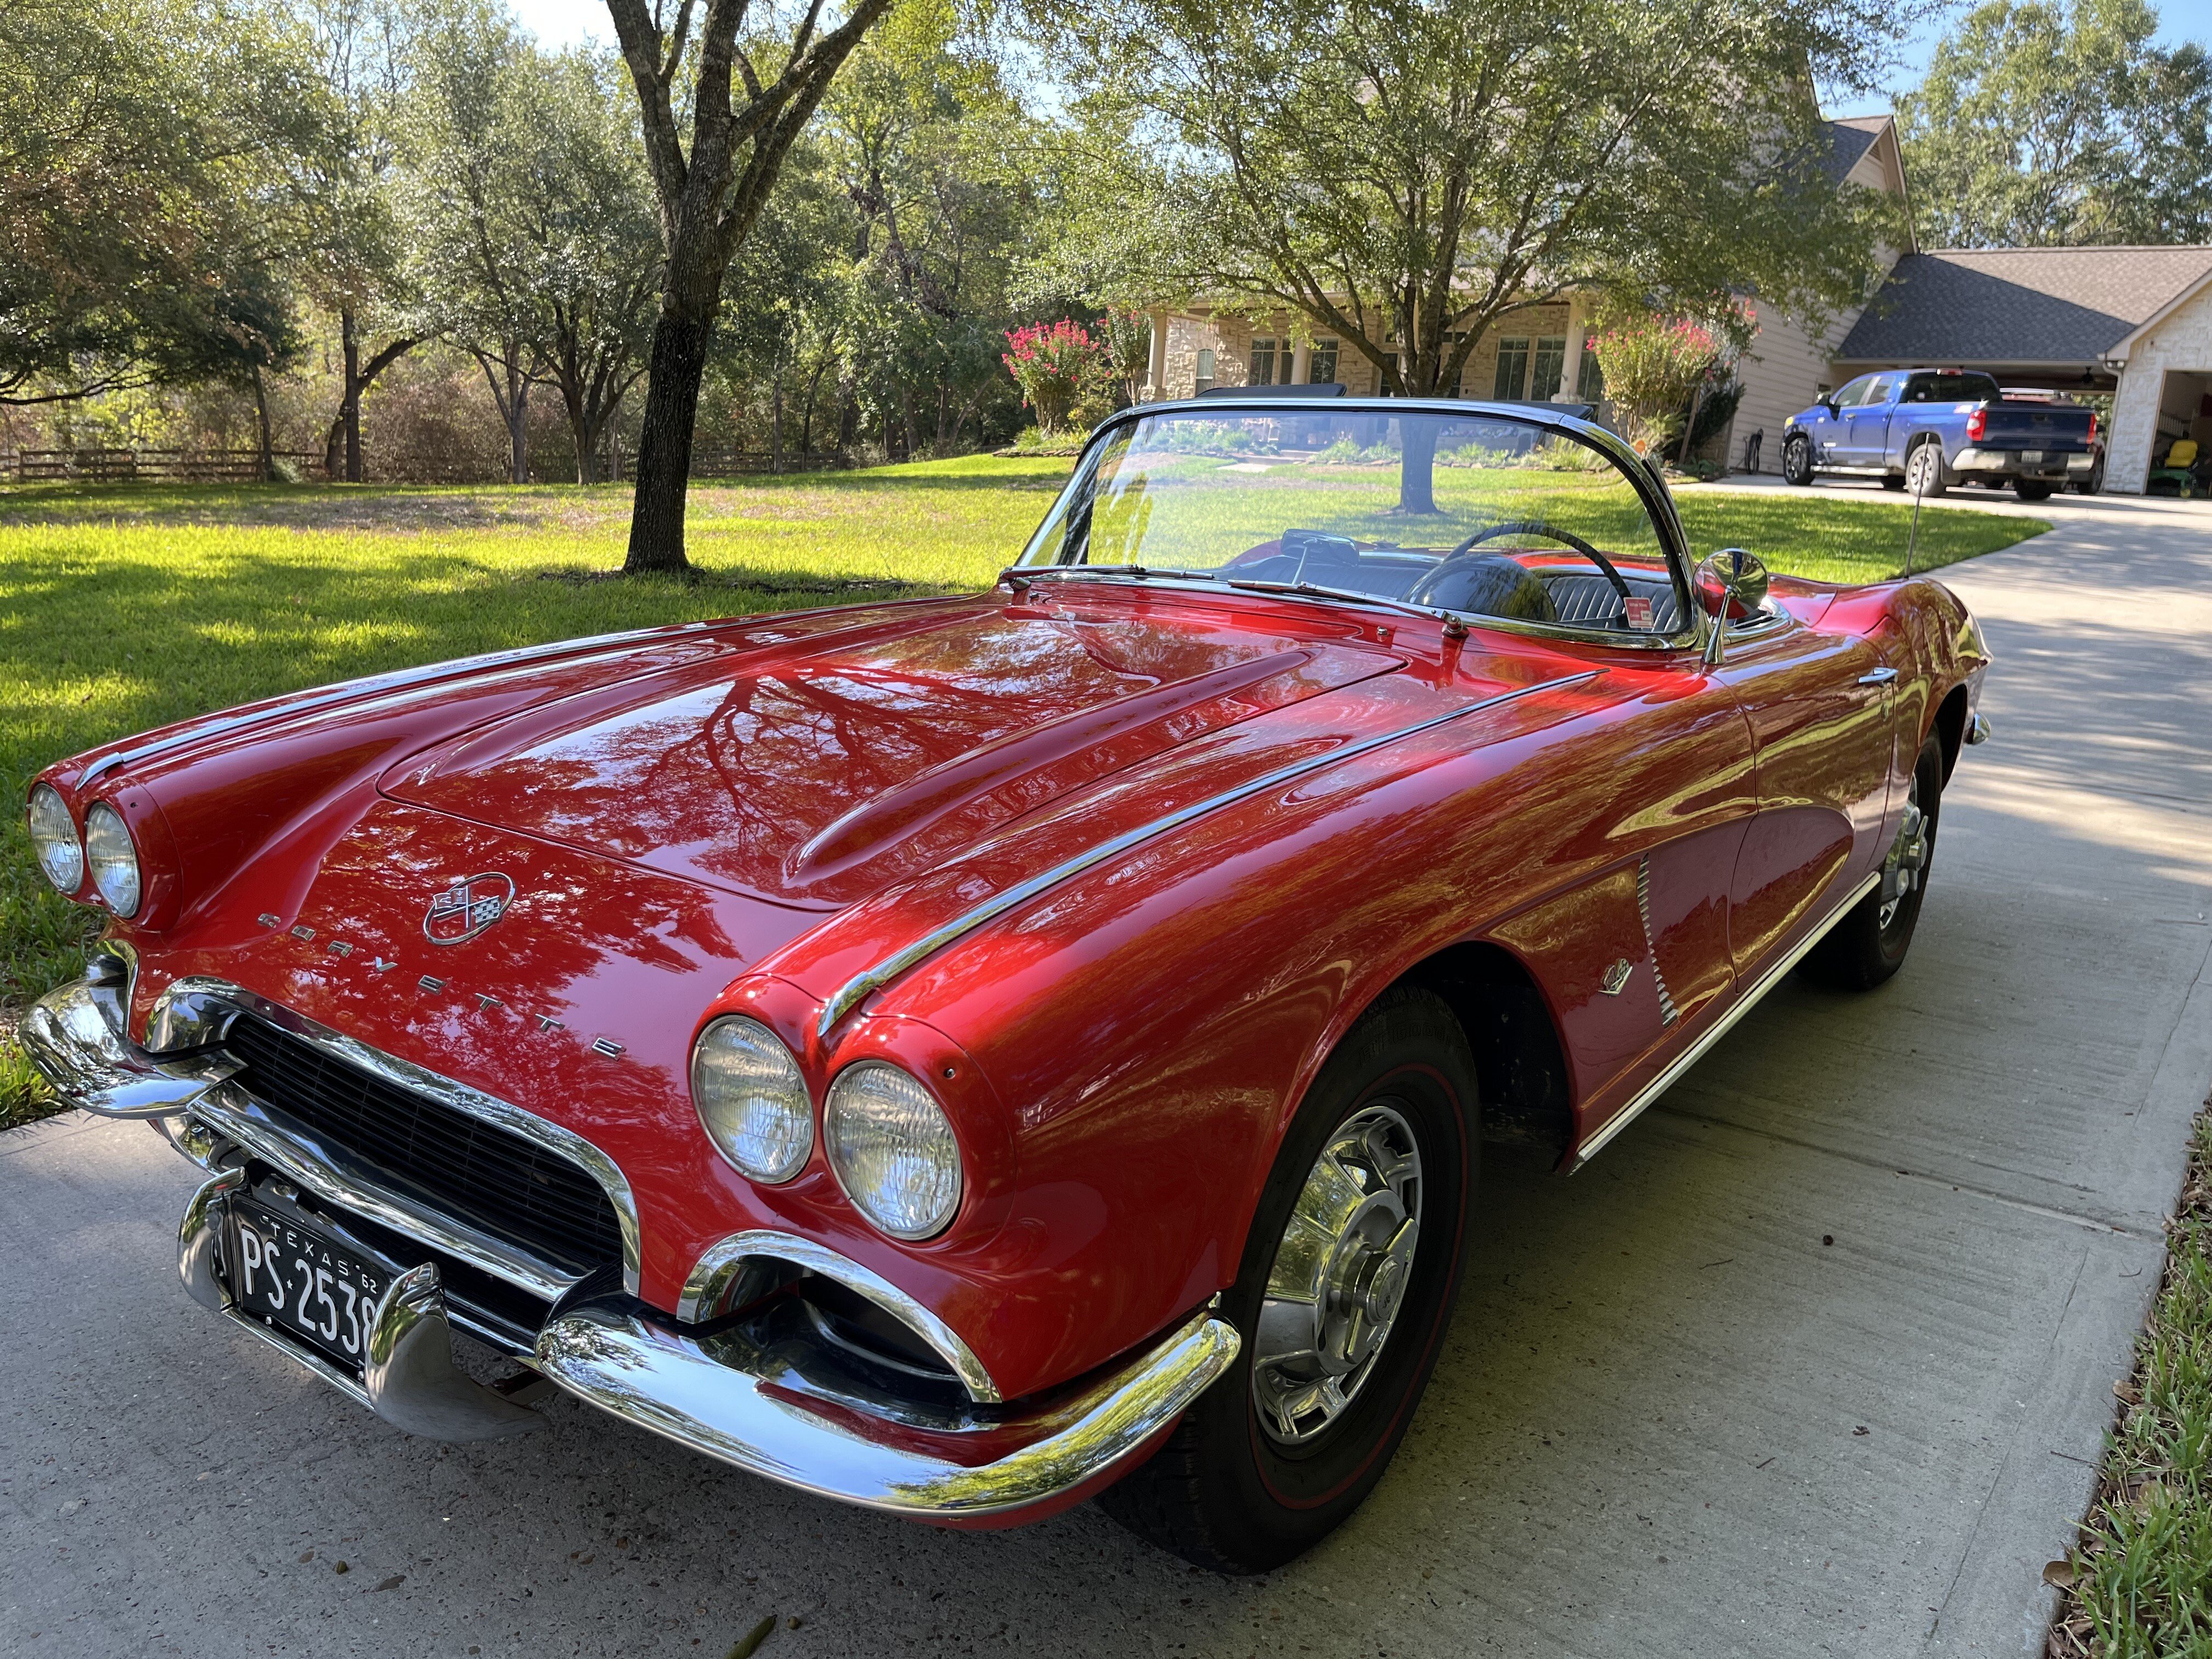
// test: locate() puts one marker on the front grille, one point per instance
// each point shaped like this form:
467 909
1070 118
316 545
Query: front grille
495 1180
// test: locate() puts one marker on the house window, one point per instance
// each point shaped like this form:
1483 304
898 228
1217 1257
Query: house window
1323 364
1512 370
1263 363
1589 378
1205 367
1548 368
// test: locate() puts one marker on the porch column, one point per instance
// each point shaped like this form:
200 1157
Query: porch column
1157 371
1570 372
1301 363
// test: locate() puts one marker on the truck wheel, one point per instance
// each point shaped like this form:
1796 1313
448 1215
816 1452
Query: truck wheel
1924 469
1350 1271
2093 480
1796 461
2032 489
1892 481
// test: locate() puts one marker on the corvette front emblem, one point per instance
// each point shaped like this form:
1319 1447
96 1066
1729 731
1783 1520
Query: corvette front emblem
467 908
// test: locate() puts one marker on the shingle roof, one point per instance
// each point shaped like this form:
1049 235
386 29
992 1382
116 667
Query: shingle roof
1847 142
2035 305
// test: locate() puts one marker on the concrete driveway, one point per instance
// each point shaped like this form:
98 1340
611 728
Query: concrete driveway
1676 1419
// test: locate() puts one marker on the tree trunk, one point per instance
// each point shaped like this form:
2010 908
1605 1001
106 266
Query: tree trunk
349 411
679 363
1417 470
906 421
261 415
775 419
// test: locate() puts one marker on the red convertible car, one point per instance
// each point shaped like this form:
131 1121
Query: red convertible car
966 1056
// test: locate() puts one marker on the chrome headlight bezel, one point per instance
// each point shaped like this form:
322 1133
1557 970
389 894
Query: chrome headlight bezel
752 1100
56 841
111 855
893 1150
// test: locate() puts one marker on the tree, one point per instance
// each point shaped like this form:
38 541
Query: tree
345 187
2045 123
529 216
134 192
1404 174
746 104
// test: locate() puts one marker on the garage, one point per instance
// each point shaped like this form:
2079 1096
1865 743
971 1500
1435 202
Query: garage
2126 330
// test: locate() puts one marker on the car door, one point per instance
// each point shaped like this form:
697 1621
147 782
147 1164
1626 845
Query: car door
1819 705
1866 423
1826 426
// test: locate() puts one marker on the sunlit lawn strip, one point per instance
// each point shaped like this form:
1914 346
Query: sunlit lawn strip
2140 1582
125 607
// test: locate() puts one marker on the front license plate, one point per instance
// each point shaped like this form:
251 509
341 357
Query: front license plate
292 1278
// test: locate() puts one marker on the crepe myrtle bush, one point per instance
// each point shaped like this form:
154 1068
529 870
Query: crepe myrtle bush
1652 365
1054 364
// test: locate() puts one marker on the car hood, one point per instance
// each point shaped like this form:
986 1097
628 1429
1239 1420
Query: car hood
816 770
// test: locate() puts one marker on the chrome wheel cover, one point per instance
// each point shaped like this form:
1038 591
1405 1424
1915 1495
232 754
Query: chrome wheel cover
1340 1275
1907 863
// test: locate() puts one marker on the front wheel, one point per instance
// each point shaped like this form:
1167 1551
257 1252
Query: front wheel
1796 460
1892 481
2032 489
1868 945
1349 1272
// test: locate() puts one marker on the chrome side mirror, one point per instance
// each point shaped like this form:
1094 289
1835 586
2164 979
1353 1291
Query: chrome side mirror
1729 586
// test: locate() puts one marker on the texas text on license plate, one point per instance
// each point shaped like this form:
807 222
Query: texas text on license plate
305 1285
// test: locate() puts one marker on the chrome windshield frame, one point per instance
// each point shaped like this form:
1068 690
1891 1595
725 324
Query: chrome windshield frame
1658 502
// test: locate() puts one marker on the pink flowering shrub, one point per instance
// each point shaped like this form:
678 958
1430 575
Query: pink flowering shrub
1651 366
1054 364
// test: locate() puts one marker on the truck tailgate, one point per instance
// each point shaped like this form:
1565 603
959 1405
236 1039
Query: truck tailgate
2035 426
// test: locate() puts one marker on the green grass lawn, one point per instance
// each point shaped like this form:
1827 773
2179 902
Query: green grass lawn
124 607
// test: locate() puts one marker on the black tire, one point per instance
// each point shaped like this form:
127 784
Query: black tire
1796 460
2032 489
1892 481
1860 951
1927 458
1224 1493
2092 482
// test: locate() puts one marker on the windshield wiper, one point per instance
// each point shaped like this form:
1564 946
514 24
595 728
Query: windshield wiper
1032 572
1454 628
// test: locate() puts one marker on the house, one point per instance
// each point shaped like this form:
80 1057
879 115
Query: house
1538 353
2133 324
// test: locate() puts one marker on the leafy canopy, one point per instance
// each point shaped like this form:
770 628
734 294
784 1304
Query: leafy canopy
1421 168
2046 125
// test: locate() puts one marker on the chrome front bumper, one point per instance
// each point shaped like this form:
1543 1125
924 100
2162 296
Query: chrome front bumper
733 1391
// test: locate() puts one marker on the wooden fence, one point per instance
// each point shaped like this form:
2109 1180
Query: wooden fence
152 466
243 465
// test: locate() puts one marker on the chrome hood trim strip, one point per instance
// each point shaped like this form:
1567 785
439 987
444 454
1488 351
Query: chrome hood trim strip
856 989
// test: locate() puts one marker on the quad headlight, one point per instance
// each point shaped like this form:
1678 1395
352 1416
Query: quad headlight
752 1100
53 838
114 861
892 1150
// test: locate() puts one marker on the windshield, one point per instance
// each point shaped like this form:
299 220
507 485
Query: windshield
1475 513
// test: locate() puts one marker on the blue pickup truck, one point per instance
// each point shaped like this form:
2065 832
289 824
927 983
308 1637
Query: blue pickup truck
1924 429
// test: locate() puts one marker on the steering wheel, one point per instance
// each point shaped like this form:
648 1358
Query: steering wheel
1420 589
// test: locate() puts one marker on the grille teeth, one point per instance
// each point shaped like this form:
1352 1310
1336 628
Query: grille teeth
1666 1010
496 1181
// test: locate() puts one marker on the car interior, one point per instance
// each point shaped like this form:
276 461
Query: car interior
1523 570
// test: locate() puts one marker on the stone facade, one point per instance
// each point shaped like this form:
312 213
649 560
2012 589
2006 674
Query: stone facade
2161 392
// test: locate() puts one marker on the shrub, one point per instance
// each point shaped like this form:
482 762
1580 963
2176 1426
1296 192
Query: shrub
1054 365
1651 366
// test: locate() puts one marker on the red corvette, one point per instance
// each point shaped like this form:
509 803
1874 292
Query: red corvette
965 1055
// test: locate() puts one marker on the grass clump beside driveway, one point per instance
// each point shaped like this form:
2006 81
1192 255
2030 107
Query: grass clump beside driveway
2139 1586
127 606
